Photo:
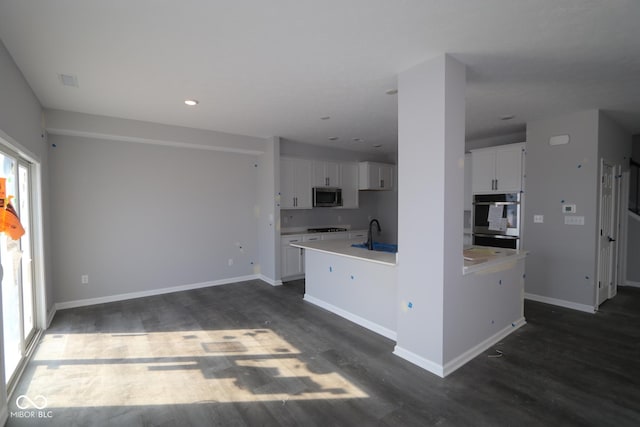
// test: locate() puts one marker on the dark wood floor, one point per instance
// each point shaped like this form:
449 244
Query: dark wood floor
251 354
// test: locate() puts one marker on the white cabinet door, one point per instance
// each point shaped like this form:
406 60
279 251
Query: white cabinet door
335 236
319 175
375 176
497 169
349 185
326 174
295 183
468 182
332 170
509 170
287 184
303 184
292 261
483 171
385 177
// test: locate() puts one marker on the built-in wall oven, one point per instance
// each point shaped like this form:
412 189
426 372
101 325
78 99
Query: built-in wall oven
496 220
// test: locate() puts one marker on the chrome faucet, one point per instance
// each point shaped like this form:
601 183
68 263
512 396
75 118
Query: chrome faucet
370 234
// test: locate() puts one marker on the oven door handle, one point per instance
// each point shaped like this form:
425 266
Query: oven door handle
496 236
495 203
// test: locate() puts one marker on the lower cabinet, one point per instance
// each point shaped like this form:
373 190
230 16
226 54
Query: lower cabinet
292 259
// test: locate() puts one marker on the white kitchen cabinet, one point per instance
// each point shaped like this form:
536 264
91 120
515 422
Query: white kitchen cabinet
349 175
326 174
335 236
375 176
497 169
292 259
295 183
468 182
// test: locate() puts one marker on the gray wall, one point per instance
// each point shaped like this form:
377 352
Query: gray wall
382 205
20 125
563 261
633 249
268 211
142 217
633 231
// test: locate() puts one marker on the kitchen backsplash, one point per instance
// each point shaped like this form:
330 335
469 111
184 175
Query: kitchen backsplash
355 219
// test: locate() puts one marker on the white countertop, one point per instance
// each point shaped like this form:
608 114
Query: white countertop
344 248
487 258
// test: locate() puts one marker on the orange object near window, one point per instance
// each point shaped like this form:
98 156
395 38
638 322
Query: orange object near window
9 220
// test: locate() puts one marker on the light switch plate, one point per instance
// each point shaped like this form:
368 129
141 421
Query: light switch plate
538 219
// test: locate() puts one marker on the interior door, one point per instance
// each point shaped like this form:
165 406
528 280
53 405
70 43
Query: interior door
607 232
616 244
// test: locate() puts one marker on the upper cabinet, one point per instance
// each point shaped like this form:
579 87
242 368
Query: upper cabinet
468 196
295 183
498 169
349 175
326 174
375 176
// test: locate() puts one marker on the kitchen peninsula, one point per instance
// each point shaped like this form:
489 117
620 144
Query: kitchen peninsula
361 286
355 283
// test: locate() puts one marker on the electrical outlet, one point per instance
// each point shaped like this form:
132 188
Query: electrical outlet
84 279
230 262
539 219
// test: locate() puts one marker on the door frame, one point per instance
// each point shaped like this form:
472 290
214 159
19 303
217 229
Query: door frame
615 217
41 320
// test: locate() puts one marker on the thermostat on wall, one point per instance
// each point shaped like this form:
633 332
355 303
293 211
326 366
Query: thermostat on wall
567 209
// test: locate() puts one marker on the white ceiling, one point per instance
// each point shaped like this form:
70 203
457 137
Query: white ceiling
274 67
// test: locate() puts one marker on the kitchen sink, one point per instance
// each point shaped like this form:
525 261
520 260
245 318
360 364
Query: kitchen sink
378 246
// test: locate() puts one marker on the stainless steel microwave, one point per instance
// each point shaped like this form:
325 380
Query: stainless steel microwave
327 197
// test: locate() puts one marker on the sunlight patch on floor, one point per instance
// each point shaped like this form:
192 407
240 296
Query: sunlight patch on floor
180 367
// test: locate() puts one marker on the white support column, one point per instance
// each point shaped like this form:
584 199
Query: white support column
431 124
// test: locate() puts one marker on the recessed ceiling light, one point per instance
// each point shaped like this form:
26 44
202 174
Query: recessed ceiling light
325 117
191 102
358 140
333 138
391 91
377 146
507 117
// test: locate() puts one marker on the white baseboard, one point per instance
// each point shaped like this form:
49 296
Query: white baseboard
50 316
433 367
152 292
294 277
631 283
465 357
385 332
560 302
269 281
449 367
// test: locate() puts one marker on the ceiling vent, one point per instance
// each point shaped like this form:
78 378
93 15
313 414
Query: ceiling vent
68 80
